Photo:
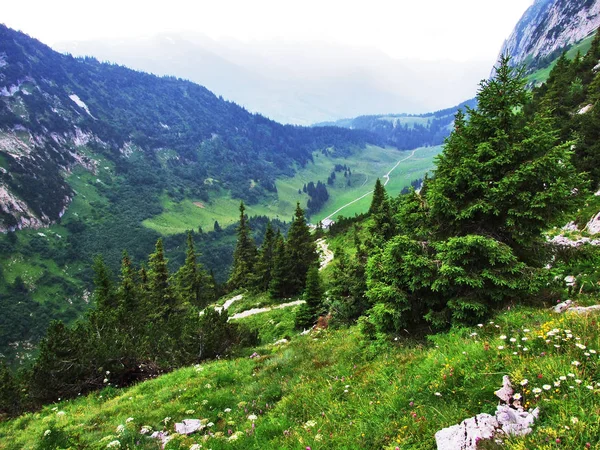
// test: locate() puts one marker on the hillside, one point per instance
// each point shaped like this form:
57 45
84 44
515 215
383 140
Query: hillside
548 27
406 131
331 389
294 82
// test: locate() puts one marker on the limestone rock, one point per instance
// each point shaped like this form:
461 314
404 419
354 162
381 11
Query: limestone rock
593 226
563 306
585 309
570 227
506 392
188 426
515 422
466 435
570 280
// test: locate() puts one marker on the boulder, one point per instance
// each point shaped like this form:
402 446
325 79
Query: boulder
593 226
188 426
506 392
515 422
563 306
467 434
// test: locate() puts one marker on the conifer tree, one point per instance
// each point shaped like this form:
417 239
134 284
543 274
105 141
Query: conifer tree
264 264
161 296
383 226
189 277
378 197
310 311
278 286
103 286
10 397
301 251
244 256
502 179
127 292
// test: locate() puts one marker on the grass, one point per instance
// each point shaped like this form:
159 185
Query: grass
332 390
541 75
366 166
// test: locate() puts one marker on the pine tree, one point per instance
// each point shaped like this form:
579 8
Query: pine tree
244 256
264 264
278 286
301 252
310 311
378 197
127 292
189 277
10 397
161 296
502 179
501 175
383 226
104 289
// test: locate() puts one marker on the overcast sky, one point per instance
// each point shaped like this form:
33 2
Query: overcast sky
433 29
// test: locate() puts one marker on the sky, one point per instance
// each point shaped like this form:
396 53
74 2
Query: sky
459 30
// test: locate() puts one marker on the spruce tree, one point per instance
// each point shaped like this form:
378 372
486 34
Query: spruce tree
10 396
244 256
378 196
189 277
301 250
161 296
502 179
278 285
103 286
310 311
127 292
264 264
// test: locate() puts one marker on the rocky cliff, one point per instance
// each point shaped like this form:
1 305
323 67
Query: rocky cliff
549 26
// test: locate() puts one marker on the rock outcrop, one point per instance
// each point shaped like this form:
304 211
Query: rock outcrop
510 419
549 25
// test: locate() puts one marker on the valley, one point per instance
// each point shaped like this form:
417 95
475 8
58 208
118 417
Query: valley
165 283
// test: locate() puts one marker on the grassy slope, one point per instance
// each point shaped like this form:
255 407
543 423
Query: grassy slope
366 166
329 390
542 75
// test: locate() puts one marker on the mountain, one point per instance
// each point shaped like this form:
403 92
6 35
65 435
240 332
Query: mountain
56 109
294 82
89 151
407 131
548 27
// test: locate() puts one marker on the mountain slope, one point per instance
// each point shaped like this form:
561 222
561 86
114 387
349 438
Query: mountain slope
407 131
548 27
292 82
54 105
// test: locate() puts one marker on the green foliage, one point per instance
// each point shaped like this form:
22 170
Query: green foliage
10 395
473 237
244 257
301 252
310 311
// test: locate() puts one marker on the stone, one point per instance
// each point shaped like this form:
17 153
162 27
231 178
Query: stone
583 310
506 392
466 435
515 422
188 426
593 226
563 306
570 227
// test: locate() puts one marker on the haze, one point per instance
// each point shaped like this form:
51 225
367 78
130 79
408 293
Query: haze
296 62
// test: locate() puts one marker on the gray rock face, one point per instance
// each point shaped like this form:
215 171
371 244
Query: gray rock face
510 419
188 426
593 226
549 25
466 435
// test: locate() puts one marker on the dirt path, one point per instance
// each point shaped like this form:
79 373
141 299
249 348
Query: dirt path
387 180
325 255
253 311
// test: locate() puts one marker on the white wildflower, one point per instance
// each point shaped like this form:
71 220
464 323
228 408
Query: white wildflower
227 410
524 382
120 429
47 433
252 417
129 419
113 444
547 387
